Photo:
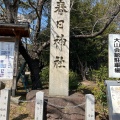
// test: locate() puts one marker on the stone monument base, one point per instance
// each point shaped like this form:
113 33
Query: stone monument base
66 108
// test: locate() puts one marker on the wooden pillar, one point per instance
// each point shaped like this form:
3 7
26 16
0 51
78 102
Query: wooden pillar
15 70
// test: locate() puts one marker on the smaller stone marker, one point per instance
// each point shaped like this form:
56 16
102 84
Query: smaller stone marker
90 107
4 104
113 98
39 106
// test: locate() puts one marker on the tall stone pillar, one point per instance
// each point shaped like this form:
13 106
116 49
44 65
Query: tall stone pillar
59 48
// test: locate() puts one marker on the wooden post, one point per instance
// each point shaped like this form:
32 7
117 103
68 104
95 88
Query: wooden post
15 70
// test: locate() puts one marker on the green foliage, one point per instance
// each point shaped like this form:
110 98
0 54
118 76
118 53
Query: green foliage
99 75
85 89
73 80
100 90
100 93
44 75
44 37
89 16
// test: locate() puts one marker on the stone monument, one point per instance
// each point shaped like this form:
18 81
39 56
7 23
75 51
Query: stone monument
59 48
113 99
39 105
90 107
4 104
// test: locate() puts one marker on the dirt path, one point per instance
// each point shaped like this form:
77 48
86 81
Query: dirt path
19 112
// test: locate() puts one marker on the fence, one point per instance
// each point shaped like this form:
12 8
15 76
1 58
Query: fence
39 106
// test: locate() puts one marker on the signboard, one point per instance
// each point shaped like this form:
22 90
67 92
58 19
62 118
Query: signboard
6 60
59 48
113 97
114 55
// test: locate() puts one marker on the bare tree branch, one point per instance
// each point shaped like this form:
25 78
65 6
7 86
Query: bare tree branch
104 27
43 46
38 10
35 8
16 2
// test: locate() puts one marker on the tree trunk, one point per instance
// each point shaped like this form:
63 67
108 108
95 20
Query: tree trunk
83 71
11 10
34 67
35 77
33 63
82 68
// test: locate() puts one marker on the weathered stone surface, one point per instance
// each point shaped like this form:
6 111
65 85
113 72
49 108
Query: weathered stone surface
31 105
59 49
4 104
31 95
61 108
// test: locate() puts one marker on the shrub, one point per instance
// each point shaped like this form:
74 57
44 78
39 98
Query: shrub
44 75
100 76
100 90
73 80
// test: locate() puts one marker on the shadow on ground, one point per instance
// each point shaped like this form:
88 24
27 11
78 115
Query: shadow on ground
21 117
